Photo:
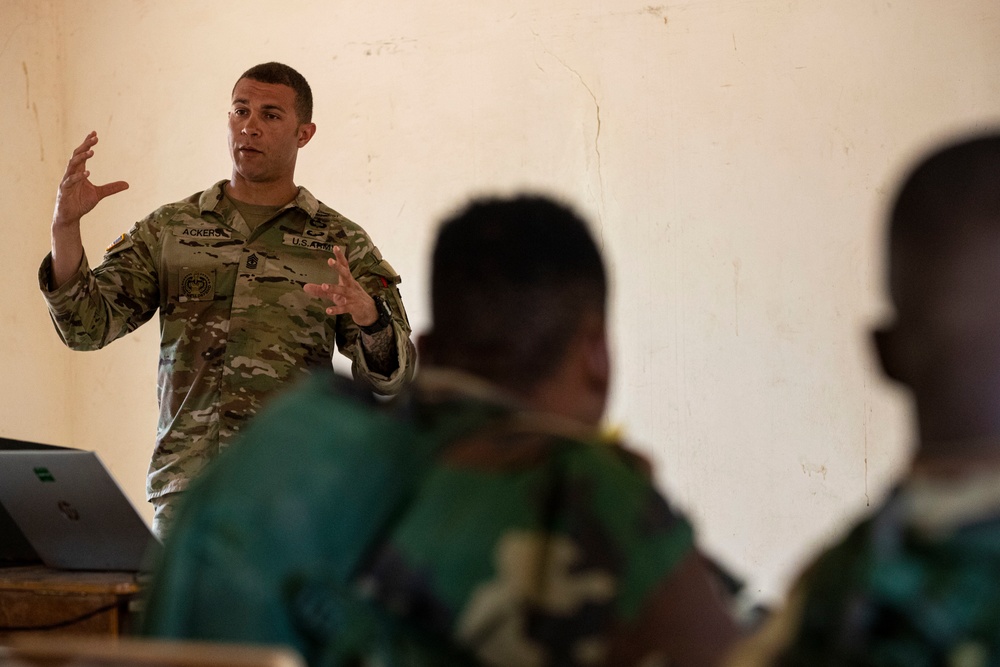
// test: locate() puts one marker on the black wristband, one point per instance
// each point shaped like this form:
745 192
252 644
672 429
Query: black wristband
384 317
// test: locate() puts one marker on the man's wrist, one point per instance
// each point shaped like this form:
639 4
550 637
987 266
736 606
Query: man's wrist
383 317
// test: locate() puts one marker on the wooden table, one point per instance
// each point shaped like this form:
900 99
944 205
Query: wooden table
36 599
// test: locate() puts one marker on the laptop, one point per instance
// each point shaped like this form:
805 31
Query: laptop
15 549
14 546
72 512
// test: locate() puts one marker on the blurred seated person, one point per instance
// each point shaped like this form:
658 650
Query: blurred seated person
480 518
918 582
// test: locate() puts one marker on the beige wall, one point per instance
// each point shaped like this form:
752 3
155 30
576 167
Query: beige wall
37 371
735 158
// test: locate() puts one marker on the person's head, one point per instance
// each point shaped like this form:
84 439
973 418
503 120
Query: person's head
518 297
283 75
944 282
269 120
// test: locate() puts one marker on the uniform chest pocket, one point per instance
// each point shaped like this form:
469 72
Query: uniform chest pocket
195 284
303 259
199 263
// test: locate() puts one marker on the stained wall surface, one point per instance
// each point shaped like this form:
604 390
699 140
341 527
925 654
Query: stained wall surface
735 159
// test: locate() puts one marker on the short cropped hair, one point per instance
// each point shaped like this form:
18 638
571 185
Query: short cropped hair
511 282
277 73
954 186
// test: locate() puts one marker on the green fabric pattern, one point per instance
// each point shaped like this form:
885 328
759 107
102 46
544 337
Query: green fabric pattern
429 530
895 594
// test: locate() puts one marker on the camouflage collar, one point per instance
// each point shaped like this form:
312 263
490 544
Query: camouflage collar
212 198
435 384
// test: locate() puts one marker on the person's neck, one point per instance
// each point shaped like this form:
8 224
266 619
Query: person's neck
956 430
261 194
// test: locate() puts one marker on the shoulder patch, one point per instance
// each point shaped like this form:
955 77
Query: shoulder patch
117 242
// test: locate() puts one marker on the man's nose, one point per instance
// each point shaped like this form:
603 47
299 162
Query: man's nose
250 126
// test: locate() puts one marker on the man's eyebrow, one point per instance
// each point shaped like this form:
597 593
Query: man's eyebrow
266 107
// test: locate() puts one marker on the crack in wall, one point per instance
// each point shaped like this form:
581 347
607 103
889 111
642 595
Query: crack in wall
597 134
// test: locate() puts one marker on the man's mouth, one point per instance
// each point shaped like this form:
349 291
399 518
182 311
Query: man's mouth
248 149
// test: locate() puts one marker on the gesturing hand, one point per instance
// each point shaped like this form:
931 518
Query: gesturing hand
347 295
77 196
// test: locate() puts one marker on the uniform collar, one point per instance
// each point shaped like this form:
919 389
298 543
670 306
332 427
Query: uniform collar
211 200
438 385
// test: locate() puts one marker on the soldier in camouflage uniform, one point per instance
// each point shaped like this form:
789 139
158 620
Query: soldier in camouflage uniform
256 283
917 584
477 519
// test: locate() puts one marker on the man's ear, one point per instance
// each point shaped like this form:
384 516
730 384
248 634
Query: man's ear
596 354
306 132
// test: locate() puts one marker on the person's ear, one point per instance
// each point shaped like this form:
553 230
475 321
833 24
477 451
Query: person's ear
596 354
889 352
306 132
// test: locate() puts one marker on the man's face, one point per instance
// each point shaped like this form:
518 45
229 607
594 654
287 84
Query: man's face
264 131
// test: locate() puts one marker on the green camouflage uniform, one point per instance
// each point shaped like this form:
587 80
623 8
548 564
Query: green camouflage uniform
235 323
915 585
446 528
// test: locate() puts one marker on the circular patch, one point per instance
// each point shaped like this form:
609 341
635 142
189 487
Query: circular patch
196 285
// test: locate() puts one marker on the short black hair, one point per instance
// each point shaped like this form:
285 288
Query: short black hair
278 73
511 282
954 186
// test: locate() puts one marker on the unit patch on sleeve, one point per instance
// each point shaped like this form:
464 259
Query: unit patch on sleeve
120 243
114 244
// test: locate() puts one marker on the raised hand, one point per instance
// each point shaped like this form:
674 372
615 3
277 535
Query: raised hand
347 295
77 196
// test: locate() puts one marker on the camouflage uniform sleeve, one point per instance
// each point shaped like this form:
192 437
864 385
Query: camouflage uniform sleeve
378 278
98 306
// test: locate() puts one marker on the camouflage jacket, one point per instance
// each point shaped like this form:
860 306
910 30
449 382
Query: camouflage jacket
235 323
915 585
447 528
